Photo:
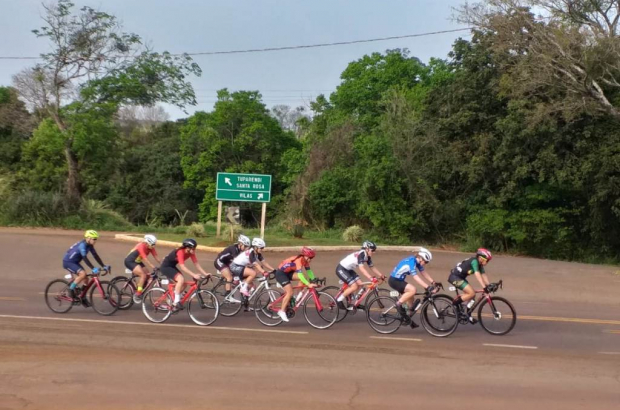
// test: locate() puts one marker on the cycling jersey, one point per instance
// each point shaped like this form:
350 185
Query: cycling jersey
140 252
292 265
177 256
408 266
355 259
225 257
78 251
467 267
247 257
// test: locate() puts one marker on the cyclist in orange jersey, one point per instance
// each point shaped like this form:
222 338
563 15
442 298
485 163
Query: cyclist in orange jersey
292 269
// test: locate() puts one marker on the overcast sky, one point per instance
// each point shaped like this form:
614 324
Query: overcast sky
283 77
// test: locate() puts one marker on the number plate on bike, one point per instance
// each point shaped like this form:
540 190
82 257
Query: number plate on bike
165 281
452 288
278 284
128 271
394 293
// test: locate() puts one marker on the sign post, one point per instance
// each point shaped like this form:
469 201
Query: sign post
243 188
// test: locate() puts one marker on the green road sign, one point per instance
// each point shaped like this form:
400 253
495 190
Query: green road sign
243 187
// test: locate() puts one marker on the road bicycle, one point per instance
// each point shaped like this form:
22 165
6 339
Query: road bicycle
320 308
232 302
201 304
495 314
128 286
353 302
101 295
437 313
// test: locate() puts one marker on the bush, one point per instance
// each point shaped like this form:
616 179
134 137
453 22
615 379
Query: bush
34 208
196 230
353 233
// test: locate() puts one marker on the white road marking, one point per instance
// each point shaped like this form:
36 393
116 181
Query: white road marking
12 299
511 346
114 322
407 339
610 353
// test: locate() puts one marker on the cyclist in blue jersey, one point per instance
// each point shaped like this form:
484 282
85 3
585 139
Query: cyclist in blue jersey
414 266
77 253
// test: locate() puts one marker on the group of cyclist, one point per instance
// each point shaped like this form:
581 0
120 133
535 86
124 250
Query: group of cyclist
243 260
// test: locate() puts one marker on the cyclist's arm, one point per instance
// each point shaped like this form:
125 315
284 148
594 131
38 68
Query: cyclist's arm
376 271
88 263
486 278
155 256
302 277
420 281
264 264
310 274
185 270
477 272
202 271
365 271
427 277
97 258
144 257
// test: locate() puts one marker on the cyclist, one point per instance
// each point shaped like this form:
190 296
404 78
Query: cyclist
173 267
414 266
291 269
77 253
470 266
225 258
245 264
346 273
136 259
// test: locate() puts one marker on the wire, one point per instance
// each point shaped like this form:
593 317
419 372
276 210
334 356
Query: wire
262 50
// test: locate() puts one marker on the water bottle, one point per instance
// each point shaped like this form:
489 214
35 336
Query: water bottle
293 301
471 303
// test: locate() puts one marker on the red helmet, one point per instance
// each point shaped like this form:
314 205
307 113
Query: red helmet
485 253
308 252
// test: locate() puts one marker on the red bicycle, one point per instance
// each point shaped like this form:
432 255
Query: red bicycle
102 295
201 304
320 308
353 302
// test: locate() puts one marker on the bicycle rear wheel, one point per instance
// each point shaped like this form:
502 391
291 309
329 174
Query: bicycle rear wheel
230 304
203 307
333 292
126 289
323 314
105 298
57 296
382 315
498 317
439 317
264 308
156 305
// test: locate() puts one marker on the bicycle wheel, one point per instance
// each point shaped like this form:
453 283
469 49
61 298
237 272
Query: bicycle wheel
105 298
498 317
229 304
265 309
333 291
126 289
57 296
385 319
323 314
439 317
156 305
203 307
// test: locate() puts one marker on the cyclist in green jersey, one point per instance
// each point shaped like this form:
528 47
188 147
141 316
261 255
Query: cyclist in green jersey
470 266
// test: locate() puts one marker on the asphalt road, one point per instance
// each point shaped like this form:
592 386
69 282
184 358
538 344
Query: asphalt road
563 353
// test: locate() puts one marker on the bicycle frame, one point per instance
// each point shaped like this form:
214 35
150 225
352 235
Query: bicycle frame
306 292
264 283
92 280
368 287
478 300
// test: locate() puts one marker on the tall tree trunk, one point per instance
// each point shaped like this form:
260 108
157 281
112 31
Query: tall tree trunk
74 188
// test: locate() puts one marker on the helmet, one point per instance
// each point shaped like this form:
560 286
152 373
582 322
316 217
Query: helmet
189 243
485 253
425 255
244 240
150 239
370 245
91 234
308 252
258 242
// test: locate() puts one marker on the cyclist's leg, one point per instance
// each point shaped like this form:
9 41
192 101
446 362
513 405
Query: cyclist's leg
76 269
248 275
228 276
285 281
178 288
139 271
401 287
350 278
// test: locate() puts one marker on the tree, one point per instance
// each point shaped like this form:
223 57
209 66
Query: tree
94 63
290 119
568 56
15 127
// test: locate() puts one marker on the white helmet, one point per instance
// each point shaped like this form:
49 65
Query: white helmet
150 239
425 255
258 242
244 240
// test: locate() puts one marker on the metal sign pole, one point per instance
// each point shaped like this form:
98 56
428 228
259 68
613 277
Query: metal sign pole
219 217
262 220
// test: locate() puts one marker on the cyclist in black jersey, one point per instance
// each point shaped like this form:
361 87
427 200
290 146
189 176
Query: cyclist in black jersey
225 258
470 266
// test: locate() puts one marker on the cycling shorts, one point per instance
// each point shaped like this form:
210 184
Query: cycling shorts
398 285
72 267
348 276
459 282
169 272
220 266
284 278
236 270
130 263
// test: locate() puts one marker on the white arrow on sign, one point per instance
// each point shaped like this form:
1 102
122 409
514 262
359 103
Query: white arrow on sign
227 181
260 196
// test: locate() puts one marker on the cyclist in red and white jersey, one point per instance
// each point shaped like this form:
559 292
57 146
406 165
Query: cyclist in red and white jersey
346 270
245 265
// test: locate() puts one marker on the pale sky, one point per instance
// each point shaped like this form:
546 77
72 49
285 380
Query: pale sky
283 77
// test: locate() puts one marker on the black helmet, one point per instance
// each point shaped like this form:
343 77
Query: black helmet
370 245
190 243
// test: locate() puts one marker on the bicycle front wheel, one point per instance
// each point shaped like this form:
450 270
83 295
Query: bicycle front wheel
104 297
382 315
333 292
321 312
126 289
439 317
229 304
156 305
203 308
57 296
266 307
497 317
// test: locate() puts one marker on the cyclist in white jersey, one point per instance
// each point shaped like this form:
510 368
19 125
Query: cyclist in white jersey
346 270
245 264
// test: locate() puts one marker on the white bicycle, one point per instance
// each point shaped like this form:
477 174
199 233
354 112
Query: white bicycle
231 303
